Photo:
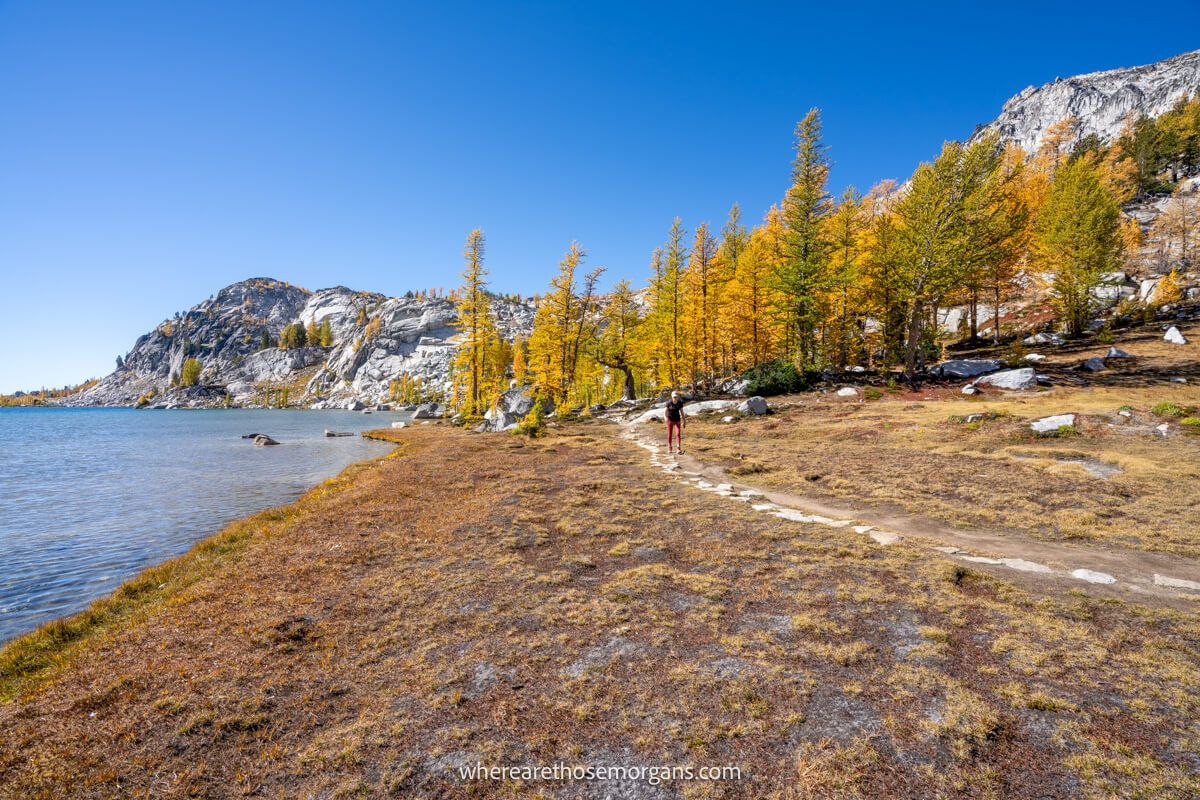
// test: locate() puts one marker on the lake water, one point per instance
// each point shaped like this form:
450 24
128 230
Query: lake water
89 497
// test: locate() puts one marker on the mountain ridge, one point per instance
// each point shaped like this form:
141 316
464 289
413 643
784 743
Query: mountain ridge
1101 100
376 339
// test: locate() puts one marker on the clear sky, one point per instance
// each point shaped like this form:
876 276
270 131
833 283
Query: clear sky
151 153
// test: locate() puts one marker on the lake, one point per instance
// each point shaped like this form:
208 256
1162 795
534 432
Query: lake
91 496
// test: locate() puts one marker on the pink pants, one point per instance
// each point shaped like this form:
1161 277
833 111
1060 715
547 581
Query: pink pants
675 429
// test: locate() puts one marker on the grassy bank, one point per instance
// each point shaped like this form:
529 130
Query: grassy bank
488 599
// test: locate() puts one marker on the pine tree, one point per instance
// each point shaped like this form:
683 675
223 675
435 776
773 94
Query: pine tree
846 226
805 208
1078 239
477 333
562 326
519 362
701 288
734 242
617 345
941 217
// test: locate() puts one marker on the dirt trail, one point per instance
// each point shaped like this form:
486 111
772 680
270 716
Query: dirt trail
1159 578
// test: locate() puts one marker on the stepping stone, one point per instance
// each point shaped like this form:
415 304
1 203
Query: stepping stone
1022 565
948 550
885 537
793 515
1176 583
764 506
1091 576
750 493
863 528
981 559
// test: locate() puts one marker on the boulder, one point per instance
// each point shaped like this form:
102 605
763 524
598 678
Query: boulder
1174 336
1118 353
653 415
705 406
847 391
968 390
965 367
733 386
264 440
331 434
1052 339
354 405
517 402
399 424
1095 364
1010 379
429 411
1034 358
659 413
753 405
1051 424
496 420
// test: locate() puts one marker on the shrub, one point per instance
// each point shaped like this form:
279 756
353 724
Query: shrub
776 377
535 421
189 374
1191 424
1172 410
871 393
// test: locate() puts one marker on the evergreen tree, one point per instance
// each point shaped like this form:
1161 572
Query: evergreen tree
1078 239
472 377
617 345
805 208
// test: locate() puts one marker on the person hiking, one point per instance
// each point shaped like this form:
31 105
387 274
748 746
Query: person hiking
675 417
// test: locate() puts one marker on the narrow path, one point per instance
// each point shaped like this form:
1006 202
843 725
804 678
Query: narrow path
1160 578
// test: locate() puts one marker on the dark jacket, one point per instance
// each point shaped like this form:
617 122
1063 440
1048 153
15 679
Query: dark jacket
674 411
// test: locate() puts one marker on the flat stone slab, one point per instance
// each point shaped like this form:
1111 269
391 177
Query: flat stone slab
885 537
1091 576
1176 583
1022 565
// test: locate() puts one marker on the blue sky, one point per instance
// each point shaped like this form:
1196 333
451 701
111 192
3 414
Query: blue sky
151 153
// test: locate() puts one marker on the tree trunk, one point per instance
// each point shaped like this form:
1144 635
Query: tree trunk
629 393
913 342
996 316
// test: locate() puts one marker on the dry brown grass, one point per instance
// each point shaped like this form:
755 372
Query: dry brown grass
481 598
921 456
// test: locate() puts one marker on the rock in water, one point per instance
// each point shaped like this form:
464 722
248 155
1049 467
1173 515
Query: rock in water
1174 336
264 440
753 405
399 424
1010 379
332 434
965 367
1050 424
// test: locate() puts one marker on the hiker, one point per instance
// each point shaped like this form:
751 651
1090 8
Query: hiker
675 419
